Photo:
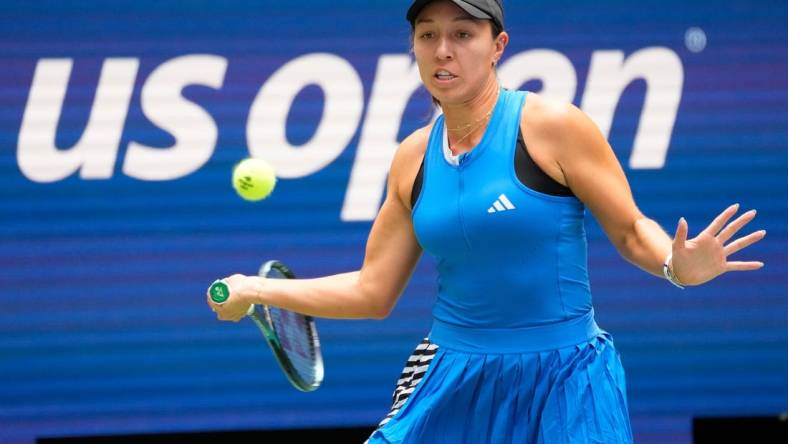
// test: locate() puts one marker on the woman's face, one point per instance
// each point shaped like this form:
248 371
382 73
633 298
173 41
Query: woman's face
454 51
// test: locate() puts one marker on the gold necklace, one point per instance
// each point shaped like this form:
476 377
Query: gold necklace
468 125
483 118
478 124
475 125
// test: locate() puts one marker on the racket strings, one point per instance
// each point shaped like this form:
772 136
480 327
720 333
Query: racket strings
296 337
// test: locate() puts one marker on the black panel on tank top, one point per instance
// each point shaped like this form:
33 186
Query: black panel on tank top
532 176
528 172
416 190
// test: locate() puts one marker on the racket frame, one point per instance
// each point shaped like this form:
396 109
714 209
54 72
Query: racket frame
262 317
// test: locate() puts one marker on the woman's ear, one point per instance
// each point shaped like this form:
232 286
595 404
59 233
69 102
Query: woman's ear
500 45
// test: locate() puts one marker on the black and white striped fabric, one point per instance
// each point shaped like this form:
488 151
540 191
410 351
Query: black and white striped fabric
414 371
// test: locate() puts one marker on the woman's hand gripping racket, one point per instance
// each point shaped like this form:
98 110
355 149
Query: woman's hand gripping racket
291 336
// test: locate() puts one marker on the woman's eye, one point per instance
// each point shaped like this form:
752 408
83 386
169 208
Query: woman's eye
463 34
426 35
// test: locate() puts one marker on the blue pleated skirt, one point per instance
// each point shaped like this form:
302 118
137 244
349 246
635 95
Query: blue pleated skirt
470 388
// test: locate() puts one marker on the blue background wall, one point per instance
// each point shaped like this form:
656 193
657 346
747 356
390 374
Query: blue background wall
103 326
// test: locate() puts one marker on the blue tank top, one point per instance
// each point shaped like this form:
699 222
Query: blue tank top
507 256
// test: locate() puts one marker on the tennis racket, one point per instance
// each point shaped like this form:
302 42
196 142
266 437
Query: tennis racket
291 336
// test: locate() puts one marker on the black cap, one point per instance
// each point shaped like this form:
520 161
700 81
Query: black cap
480 9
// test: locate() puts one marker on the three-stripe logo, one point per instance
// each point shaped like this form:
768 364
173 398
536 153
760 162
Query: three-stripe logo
501 204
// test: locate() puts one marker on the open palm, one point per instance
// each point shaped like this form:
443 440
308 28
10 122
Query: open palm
705 256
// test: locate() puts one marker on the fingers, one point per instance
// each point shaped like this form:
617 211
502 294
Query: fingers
716 225
743 266
744 242
736 225
681 234
222 315
233 308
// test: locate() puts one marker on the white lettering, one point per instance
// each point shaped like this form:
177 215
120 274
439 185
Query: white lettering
95 152
194 129
344 103
610 74
553 69
397 77
396 80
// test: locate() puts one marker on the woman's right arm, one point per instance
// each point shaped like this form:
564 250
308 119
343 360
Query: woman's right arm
391 255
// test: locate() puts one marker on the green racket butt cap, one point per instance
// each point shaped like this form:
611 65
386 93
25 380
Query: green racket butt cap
219 291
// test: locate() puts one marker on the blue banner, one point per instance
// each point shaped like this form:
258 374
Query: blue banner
120 123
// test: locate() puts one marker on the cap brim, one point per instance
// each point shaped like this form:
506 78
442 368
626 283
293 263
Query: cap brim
472 10
418 5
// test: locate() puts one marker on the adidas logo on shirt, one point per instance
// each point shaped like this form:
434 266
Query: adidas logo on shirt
501 204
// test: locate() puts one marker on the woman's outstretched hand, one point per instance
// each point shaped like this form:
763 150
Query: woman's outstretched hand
705 257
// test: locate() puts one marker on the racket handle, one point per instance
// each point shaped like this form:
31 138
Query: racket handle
219 291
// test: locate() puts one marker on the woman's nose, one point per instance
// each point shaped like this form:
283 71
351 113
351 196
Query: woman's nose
444 50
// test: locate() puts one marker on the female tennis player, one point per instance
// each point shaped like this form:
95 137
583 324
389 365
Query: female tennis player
496 189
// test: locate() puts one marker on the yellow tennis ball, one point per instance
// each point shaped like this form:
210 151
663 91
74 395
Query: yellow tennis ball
254 179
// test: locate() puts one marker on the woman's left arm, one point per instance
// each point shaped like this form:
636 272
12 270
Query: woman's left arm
595 176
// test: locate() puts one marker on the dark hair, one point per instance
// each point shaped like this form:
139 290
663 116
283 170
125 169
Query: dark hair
494 28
